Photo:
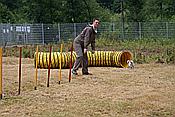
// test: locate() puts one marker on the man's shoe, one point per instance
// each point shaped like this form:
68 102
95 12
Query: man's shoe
74 72
87 74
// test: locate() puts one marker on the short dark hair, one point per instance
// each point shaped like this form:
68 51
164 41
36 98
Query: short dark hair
96 19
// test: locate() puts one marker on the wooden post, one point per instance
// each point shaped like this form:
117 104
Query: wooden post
49 66
20 56
60 59
36 68
1 73
70 62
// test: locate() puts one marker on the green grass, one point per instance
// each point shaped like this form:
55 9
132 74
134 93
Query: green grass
143 50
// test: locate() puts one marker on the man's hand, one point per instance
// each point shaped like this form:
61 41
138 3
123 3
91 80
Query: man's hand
85 50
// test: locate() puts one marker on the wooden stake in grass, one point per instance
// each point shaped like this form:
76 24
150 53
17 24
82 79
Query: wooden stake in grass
36 68
1 73
20 55
49 66
70 62
60 59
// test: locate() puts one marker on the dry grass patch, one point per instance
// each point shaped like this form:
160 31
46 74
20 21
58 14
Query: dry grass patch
146 91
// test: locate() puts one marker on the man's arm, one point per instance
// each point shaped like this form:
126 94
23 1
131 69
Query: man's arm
87 35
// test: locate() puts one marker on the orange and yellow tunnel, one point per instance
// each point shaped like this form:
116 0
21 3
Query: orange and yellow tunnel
98 59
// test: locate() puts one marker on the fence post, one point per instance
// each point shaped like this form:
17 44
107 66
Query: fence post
25 34
167 30
3 34
42 33
140 30
59 32
75 31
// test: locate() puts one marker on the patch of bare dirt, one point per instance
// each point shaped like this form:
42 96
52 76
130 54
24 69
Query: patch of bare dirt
145 91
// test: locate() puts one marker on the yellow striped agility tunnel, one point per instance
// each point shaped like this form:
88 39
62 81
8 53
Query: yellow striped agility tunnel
98 59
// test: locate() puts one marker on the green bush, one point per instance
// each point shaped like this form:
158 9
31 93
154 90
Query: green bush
26 53
144 50
109 35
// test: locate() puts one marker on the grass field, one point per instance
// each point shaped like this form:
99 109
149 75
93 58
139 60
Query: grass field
148 90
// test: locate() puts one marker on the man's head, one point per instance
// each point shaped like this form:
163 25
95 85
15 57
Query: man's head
96 22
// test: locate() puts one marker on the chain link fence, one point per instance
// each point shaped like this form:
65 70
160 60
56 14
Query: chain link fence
22 34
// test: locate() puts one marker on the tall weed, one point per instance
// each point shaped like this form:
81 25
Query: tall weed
144 50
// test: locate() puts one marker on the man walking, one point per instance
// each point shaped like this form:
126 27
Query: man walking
80 44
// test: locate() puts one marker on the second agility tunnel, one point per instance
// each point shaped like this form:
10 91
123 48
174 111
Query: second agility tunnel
98 59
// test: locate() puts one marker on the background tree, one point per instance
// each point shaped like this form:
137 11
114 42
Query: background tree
67 11
4 14
134 10
159 10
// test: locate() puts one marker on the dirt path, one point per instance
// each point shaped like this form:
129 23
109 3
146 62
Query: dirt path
146 91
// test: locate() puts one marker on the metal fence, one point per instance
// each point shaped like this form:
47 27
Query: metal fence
14 34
